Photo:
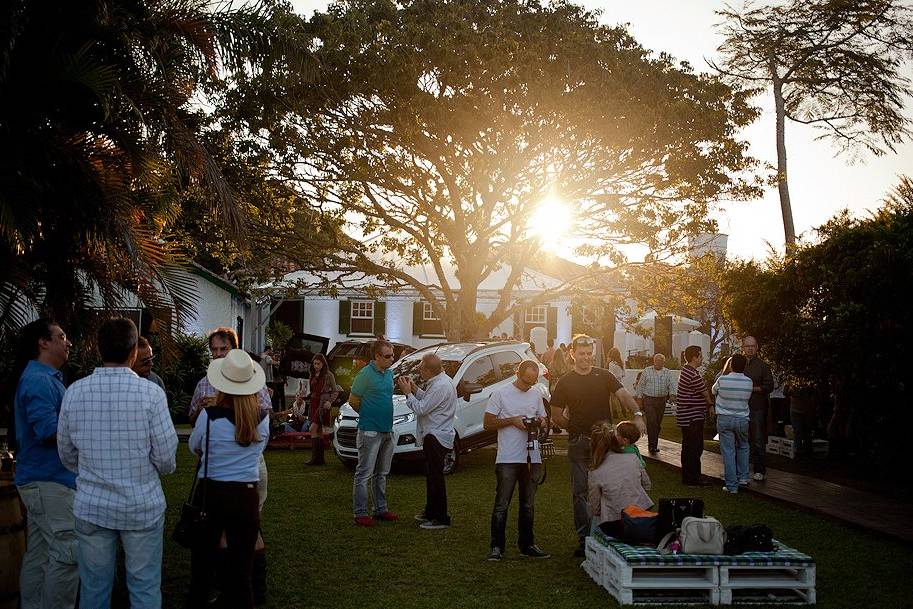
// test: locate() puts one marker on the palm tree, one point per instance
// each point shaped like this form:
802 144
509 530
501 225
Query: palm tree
102 117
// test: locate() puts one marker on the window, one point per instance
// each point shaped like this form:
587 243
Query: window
362 317
481 372
536 314
507 363
428 312
431 323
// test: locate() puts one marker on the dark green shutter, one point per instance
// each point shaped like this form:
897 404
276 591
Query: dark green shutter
551 322
380 318
345 316
418 316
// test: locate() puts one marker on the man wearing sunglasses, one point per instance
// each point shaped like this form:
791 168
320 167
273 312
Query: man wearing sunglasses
143 364
582 399
372 398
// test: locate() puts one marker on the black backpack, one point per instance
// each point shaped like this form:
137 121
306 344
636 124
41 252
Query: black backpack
754 538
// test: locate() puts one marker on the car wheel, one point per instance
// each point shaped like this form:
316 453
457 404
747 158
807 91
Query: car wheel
452 458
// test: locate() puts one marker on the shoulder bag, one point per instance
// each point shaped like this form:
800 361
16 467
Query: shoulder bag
702 536
191 526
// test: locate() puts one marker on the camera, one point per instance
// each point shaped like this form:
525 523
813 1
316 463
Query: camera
533 430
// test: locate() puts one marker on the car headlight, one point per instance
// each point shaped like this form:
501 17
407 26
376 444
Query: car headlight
404 418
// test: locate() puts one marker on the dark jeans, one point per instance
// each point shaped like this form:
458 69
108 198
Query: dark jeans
278 399
654 409
758 430
435 488
509 475
692 449
578 452
232 507
802 432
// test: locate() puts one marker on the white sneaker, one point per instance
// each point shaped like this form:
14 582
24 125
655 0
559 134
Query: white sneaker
732 492
758 476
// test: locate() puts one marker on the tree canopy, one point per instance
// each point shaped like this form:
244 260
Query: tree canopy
440 126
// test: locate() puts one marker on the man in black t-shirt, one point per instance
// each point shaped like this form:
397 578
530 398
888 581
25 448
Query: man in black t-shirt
580 400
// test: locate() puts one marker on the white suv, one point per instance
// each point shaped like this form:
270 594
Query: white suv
477 369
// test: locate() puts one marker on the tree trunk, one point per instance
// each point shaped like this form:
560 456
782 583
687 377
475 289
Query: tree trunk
782 183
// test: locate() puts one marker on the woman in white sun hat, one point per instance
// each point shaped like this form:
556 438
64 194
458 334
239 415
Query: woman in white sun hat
237 431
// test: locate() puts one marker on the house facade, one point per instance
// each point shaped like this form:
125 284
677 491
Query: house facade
405 316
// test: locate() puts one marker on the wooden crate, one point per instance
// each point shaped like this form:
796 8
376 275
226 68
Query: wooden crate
659 584
773 444
594 561
767 584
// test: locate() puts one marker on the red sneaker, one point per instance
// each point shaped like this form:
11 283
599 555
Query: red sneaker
388 516
364 521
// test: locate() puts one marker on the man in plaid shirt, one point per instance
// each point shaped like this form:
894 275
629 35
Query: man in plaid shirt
655 386
115 432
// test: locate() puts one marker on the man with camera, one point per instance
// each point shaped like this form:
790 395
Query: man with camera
517 413
582 398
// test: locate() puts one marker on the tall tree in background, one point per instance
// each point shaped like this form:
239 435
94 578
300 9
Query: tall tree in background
833 64
441 126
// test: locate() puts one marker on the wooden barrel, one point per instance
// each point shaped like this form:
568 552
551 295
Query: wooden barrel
12 541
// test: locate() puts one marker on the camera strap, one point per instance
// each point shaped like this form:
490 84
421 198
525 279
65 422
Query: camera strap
529 466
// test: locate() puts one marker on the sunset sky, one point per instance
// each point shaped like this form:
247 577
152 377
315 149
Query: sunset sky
820 183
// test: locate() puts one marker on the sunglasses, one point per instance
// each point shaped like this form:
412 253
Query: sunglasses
582 342
147 360
385 356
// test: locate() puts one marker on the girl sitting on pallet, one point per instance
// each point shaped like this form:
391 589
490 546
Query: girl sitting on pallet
618 476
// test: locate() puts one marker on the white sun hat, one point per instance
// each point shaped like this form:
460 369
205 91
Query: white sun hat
236 374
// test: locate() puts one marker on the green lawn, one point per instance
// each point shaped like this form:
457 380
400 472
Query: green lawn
318 558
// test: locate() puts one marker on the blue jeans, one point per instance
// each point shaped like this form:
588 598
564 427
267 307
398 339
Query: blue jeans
758 421
578 452
734 448
375 454
97 554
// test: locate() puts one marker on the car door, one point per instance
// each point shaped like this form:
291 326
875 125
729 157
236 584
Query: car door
480 371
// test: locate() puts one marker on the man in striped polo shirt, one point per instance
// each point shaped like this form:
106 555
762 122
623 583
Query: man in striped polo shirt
732 393
693 403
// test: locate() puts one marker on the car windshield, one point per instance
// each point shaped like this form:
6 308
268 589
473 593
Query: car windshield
408 367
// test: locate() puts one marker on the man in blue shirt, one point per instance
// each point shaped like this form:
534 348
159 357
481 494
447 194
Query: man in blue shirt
49 577
372 398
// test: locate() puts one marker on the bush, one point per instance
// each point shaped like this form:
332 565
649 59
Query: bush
183 371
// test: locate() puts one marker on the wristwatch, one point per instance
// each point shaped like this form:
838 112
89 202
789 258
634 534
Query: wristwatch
638 414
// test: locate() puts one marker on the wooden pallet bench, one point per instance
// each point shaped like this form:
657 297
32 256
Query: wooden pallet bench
640 575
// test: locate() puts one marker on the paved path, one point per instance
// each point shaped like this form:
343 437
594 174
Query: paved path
856 507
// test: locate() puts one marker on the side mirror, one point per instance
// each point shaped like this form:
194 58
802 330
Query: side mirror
467 389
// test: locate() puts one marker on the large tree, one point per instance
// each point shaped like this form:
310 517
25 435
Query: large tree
833 64
440 126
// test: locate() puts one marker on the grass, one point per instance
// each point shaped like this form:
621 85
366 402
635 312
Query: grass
318 558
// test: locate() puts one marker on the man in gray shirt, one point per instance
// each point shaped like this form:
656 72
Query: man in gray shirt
435 409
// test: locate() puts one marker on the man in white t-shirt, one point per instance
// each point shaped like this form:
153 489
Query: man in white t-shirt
515 463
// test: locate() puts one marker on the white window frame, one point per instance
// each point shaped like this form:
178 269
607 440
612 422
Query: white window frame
428 312
537 314
361 309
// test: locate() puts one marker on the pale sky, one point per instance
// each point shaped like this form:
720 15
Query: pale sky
820 183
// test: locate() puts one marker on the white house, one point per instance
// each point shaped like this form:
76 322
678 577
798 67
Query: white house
403 315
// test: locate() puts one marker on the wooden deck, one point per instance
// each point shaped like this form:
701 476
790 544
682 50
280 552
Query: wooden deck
859 508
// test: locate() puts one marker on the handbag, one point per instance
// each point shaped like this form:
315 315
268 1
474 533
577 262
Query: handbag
754 538
192 524
639 526
702 536
673 510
